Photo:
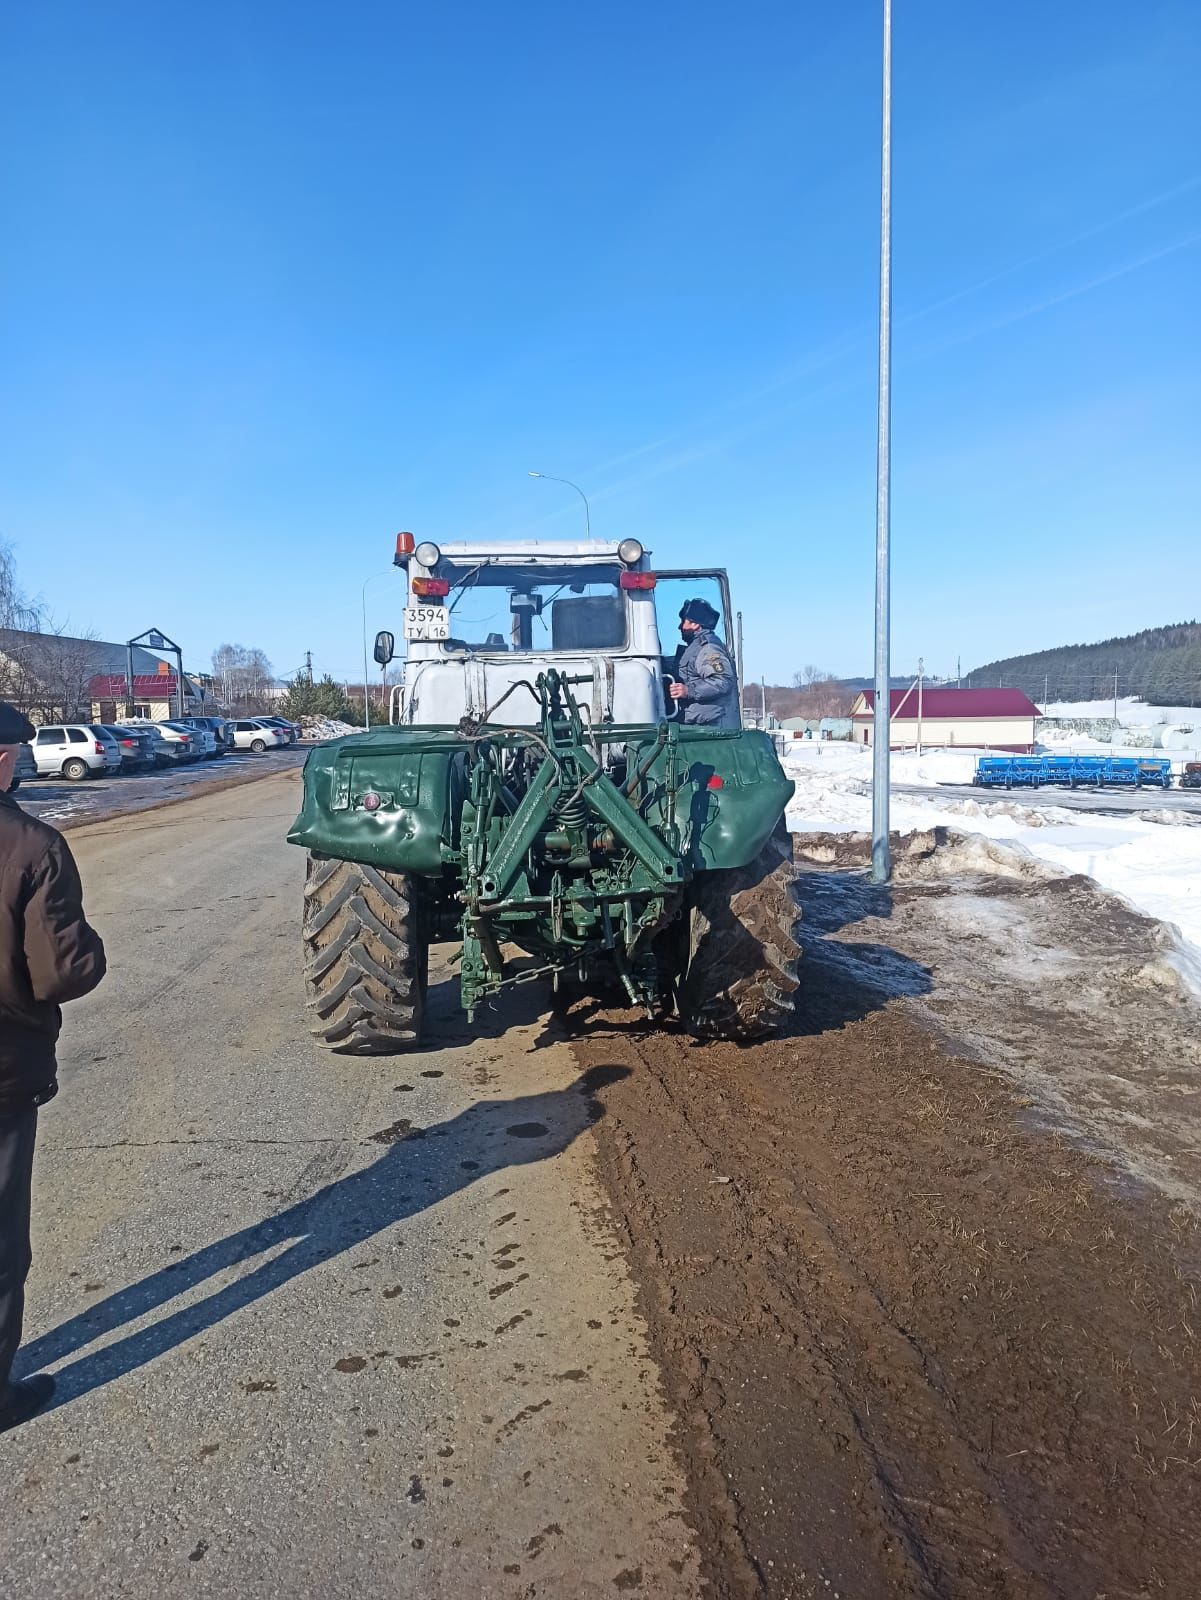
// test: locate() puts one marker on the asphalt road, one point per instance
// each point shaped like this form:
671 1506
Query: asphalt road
321 1326
68 804
1102 802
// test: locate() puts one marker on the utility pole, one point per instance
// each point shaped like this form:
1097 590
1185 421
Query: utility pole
763 692
308 665
881 855
1115 697
921 667
1046 688
959 672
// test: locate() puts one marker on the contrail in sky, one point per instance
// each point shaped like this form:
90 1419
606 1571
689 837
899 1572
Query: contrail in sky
1066 244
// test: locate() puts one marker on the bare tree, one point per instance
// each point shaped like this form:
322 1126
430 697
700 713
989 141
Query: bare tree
16 609
48 674
243 676
65 667
821 695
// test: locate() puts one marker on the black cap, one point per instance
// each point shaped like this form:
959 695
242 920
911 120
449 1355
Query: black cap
15 726
698 611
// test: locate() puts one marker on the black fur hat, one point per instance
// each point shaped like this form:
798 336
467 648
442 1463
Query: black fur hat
698 611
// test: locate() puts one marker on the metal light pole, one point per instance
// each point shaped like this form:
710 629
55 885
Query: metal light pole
881 855
578 490
366 676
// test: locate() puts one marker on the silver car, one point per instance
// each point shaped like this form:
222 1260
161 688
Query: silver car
75 750
204 741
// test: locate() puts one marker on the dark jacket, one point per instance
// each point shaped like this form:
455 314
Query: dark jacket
48 953
707 673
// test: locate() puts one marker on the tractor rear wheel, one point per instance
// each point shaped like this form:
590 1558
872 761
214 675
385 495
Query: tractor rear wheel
366 957
743 949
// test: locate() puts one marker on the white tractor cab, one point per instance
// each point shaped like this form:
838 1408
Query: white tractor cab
483 616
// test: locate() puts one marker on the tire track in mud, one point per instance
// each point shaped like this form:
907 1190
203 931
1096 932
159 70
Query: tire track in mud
917 1347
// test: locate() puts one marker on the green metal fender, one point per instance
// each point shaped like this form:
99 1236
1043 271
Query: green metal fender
418 774
733 798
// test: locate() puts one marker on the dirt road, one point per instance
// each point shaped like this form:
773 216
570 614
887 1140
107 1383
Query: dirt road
322 1327
903 1305
922 1278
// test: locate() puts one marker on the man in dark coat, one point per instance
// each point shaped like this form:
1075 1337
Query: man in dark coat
48 955
708 684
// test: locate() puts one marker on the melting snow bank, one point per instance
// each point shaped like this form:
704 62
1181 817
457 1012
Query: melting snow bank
1153 866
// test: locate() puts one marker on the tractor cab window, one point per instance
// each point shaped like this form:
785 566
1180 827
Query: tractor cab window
496 608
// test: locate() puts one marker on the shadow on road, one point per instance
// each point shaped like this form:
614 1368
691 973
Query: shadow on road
845 980
420 1168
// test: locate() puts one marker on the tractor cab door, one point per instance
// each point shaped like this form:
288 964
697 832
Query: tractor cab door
672 589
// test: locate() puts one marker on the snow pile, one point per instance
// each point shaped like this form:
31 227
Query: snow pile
1156 869
1140 728
314 729
1130 713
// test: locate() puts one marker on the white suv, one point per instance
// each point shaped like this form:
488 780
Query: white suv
76 750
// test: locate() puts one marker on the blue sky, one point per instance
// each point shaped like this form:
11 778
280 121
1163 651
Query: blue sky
284 278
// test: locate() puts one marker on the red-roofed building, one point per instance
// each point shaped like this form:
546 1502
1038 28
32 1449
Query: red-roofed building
983 719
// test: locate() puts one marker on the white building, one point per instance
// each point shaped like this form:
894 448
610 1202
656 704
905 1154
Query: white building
982 719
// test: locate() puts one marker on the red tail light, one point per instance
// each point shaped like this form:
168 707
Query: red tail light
99 748
638 580
431 588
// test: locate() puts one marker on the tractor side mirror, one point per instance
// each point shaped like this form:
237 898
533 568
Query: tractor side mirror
385 648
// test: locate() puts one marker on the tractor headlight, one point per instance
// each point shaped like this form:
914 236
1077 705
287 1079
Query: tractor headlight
427 554
630 551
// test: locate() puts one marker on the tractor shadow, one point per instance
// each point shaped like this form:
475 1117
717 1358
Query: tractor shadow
843 979
417 1170
846 979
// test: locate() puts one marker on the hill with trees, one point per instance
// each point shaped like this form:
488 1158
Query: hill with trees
1158 665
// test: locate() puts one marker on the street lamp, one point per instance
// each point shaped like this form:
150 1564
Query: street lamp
366 677
881 855
587 514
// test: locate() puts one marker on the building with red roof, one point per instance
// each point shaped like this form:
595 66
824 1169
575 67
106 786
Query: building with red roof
981 719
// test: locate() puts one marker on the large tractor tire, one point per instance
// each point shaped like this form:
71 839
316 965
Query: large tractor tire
366 958
743 951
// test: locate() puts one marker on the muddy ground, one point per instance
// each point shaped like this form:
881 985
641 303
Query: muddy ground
923 1278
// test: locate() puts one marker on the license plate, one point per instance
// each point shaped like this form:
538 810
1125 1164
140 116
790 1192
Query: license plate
427 622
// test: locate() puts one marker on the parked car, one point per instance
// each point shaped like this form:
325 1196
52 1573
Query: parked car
1191 777
137 747
160 752
24 769
204 742
181 744
252 734
217 726
292 729
76 750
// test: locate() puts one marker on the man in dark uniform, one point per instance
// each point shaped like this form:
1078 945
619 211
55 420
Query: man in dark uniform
48 954
707 686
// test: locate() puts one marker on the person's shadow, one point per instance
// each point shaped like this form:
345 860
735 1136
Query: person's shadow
420 1167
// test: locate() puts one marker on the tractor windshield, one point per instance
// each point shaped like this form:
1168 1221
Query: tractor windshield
496 606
